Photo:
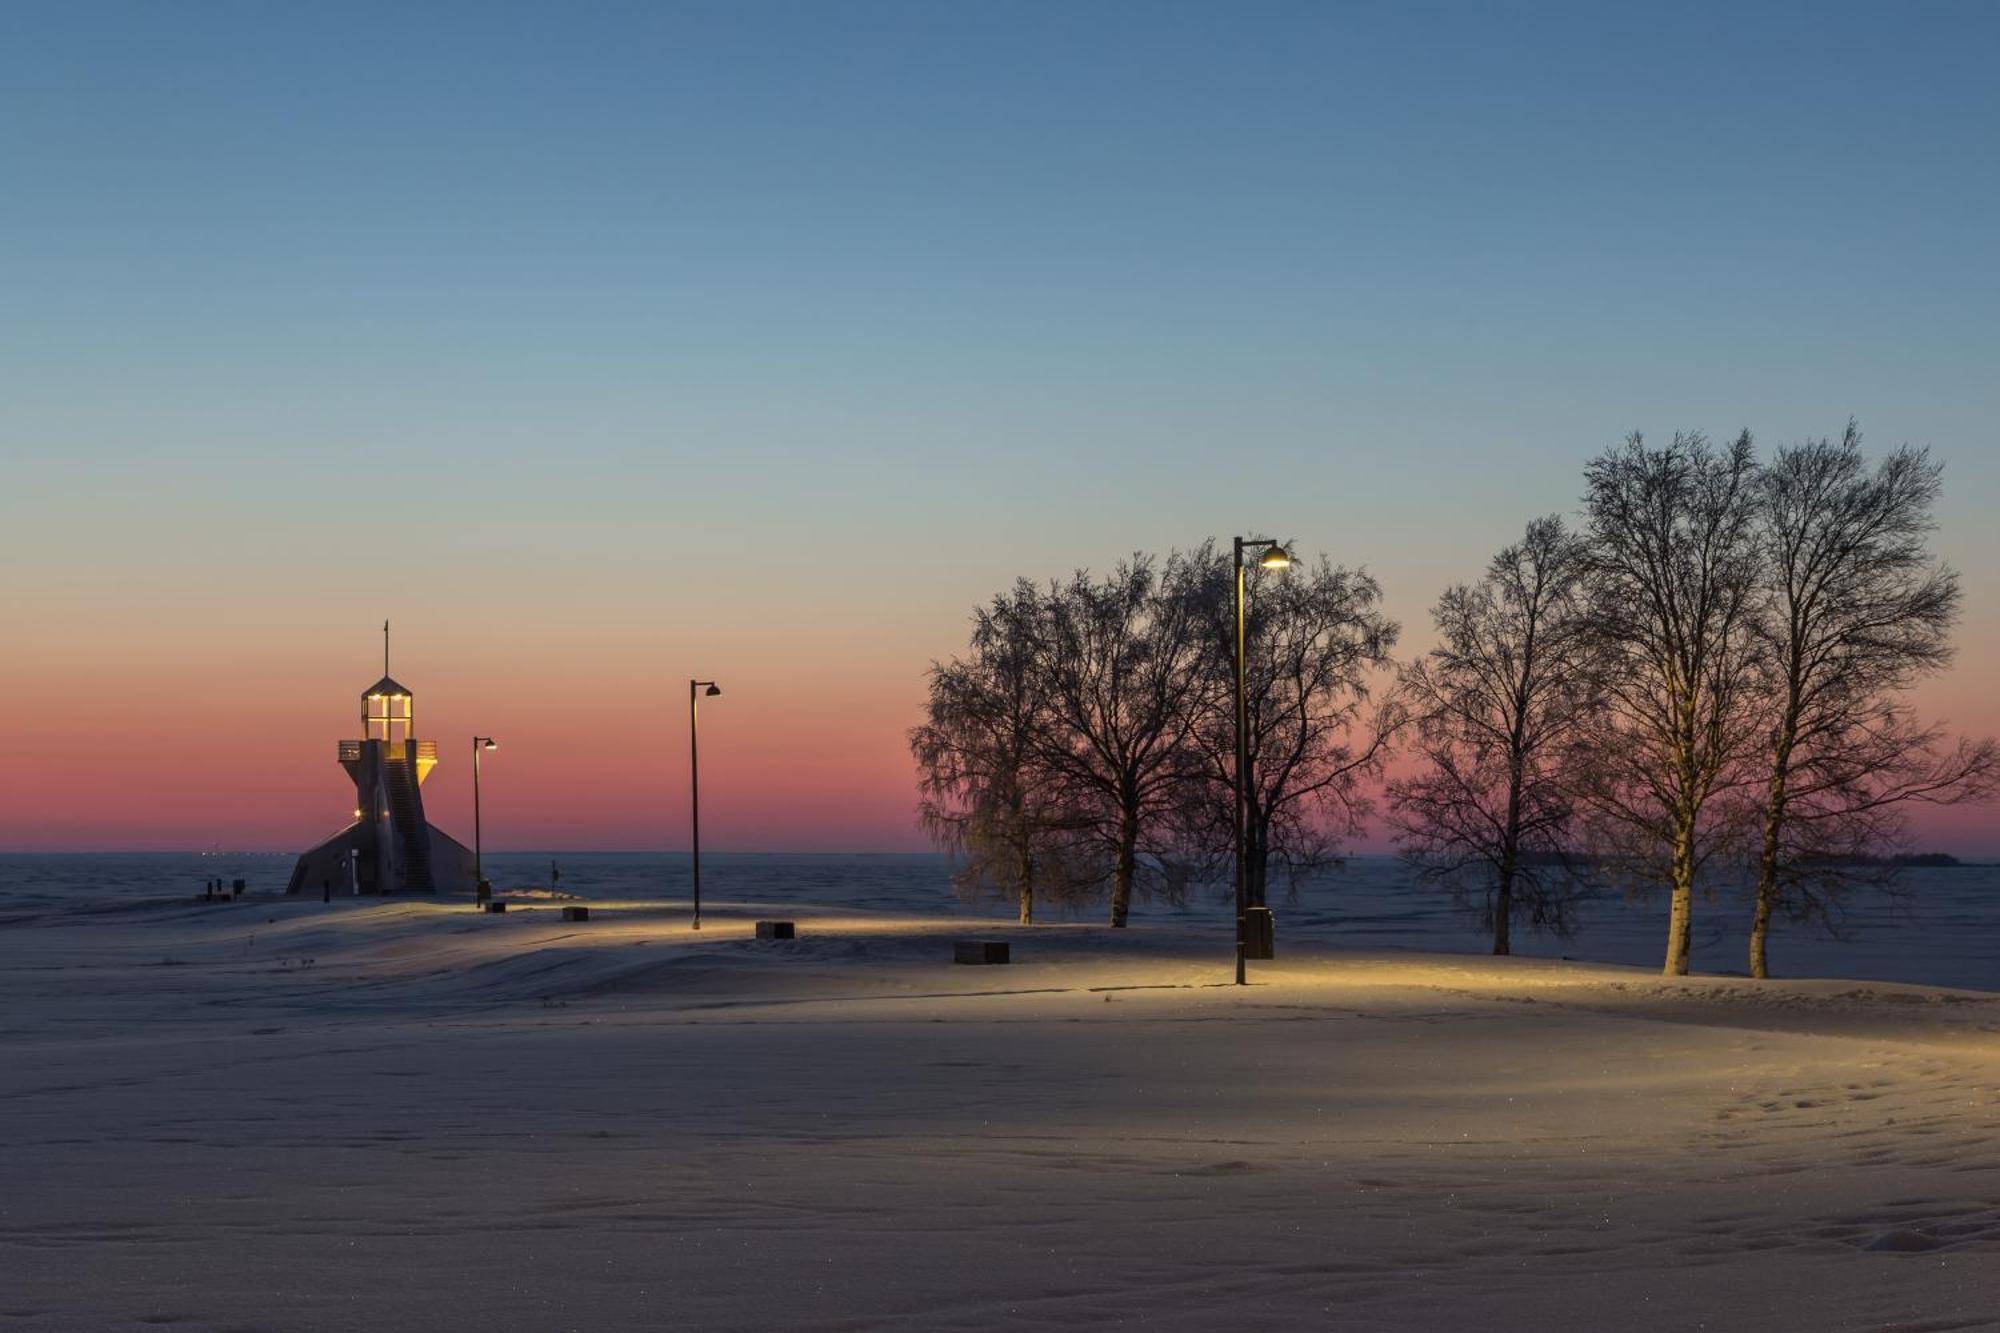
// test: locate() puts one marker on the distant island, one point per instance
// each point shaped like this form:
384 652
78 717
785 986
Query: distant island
1904 861
1908 860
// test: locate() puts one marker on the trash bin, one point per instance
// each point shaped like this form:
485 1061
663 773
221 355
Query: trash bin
1259 935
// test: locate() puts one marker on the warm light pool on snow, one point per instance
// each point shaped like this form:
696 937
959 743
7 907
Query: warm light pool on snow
1945 931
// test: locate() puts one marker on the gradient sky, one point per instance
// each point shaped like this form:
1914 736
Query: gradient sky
603 345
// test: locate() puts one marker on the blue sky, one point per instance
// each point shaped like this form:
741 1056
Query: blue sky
1097 200
570 300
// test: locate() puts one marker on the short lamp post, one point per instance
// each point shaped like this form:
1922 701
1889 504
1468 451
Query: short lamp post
696 688
1271 556
483 891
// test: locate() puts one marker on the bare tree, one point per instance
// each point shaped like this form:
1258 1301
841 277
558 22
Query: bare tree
1315 638
1500 705
1673 578
983 797
1120 666
1857 611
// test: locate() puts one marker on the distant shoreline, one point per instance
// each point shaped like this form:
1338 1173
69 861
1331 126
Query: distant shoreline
1913 861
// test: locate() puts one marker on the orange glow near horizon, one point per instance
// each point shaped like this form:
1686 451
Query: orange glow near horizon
812 762
114 741
798 758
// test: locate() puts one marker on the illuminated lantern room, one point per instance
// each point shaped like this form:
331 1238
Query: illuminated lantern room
388 712
388 715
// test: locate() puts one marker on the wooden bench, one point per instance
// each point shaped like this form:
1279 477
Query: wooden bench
979 952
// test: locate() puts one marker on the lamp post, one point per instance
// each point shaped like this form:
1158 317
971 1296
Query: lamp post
1272 556
482 890
696 688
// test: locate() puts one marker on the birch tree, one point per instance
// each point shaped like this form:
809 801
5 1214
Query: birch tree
1500 706
1316 641
1858 610
1673 578
1120 660
984 797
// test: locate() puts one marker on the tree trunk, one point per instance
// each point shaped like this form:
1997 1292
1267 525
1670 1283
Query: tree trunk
1256 861
1680 919
1127 867
1510 854
1027 892
1760 928
1767 863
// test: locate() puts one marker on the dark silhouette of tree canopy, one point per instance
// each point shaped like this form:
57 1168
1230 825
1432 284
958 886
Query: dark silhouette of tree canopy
983 795
1084 743
1857 610
1315 636
1673 578
1499 706
1121 664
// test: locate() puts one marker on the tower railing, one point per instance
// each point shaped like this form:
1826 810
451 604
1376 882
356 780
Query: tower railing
427 751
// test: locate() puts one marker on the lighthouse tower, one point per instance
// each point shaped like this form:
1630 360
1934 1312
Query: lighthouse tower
390 847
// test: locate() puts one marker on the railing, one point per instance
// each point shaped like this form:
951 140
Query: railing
427 751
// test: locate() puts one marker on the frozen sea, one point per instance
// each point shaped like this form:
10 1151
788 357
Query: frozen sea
1942 930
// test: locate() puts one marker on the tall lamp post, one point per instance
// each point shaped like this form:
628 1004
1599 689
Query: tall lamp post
696 688
483 890
1271 556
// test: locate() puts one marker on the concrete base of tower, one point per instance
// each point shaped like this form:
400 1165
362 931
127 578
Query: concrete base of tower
357 860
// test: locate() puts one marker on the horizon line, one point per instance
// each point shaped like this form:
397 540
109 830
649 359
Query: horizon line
1968 859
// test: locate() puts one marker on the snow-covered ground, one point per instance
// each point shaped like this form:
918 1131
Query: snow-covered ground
1943 931
283 1115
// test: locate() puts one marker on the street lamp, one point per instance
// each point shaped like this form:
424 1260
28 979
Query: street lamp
483 890
1271 556
711 689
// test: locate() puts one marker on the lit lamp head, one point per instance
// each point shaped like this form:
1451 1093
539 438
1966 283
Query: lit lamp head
488 743
1275 557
